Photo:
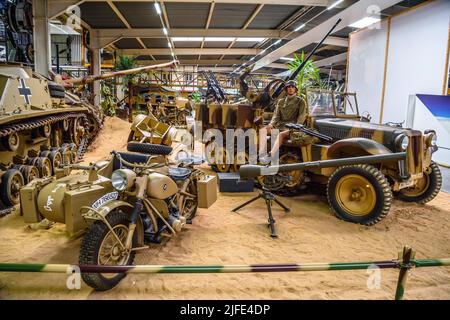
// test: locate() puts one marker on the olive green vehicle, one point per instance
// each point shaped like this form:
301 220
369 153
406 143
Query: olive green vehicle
364 165
41 126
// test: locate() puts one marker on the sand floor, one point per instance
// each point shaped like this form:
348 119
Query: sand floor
310 233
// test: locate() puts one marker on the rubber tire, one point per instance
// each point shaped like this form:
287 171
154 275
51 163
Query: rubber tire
382 189
149 148
90 247
433 188
6 181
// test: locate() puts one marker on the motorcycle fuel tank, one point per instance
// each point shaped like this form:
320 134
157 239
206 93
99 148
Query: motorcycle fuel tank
160 186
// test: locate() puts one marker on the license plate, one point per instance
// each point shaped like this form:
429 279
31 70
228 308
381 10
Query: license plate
105 199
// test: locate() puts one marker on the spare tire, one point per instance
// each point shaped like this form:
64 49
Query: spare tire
56 90
149 148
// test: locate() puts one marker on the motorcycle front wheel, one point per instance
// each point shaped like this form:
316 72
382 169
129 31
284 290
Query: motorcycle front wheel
100 247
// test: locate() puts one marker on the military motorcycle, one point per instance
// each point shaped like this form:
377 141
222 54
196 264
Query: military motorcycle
150 200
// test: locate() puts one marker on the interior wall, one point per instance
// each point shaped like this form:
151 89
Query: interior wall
417 51
366 68
417 55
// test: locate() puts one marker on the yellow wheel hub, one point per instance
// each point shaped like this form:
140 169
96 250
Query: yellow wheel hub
419 188
356 195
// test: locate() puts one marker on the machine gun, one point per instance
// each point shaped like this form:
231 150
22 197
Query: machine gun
214 87
294 74
265 98
302 128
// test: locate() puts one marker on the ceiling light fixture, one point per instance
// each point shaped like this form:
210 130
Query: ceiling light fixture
299 27
286 59
216 39
242 39
158 8
364 22
277 42
187 39
334 4
169 44
165 31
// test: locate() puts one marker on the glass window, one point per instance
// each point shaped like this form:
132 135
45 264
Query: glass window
346 104
320 103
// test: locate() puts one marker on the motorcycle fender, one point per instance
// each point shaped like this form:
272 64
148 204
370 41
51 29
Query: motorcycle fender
107 208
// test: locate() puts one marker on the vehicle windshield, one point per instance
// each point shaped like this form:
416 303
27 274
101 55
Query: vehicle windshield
346 104
320 103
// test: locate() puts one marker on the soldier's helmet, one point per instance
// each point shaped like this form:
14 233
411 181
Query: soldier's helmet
291 83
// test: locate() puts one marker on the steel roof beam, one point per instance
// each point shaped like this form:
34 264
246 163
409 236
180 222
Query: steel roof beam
349 15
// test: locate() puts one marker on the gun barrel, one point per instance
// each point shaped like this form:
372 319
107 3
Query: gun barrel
252 171
92 78
294 74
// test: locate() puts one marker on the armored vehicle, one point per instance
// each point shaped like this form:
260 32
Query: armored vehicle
364 165
41 126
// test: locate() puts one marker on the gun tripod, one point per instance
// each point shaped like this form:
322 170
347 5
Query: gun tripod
268 198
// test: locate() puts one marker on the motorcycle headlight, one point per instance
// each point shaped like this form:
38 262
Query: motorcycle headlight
123 179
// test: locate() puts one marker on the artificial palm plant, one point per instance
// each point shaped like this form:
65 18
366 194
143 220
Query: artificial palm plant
309 76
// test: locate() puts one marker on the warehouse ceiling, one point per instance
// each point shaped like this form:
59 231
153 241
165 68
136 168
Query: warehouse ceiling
222 33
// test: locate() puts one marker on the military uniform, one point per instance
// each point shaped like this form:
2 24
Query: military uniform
289 110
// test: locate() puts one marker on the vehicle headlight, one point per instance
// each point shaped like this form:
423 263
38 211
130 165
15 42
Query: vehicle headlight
402 142
430 139
123 179
434 140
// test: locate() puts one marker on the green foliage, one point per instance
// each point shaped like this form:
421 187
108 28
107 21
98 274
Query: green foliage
125 63
108 105
196 96
309 76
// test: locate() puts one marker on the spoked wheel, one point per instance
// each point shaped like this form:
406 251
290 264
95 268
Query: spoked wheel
359 194
426 189
12 182
190 205
101 247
